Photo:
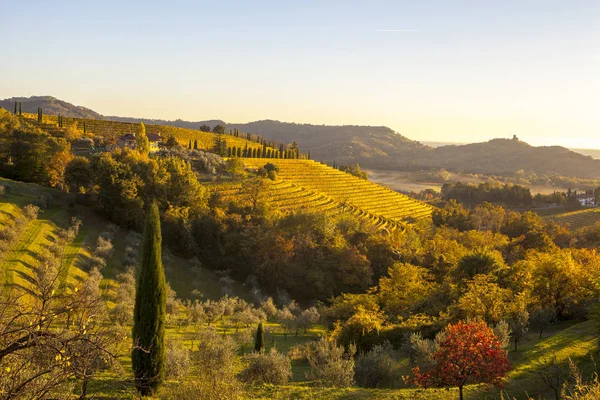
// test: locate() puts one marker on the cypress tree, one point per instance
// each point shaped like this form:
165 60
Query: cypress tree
228 151
20 108
195 144
259 343
190 144
15 108
148 355
309 154
239 151
84 128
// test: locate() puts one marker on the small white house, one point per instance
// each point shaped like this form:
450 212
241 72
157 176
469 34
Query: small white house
128 141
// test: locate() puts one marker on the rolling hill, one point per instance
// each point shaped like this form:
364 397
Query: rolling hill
374 147
315 187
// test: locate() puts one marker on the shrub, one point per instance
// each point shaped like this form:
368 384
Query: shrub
2 191
104 247
299 352
271 368
31 212
217 358
421 351
178 360
330 364
378 368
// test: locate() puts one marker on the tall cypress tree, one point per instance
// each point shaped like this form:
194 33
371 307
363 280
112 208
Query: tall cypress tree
259 342
20 108
15 108
190 144
148 355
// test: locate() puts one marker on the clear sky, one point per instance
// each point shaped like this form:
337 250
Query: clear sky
449 70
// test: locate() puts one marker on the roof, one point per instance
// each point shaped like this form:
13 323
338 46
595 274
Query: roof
152 137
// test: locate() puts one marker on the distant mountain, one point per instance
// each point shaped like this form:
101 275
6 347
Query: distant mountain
506 156
375 147
50 105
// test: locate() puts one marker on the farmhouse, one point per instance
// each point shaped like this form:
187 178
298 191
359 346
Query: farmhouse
586 200
128 141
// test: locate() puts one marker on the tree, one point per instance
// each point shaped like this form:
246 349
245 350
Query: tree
171 142
235 167
330 364
468 352
52 334
259 343
148 355
141 140
219 129
205 128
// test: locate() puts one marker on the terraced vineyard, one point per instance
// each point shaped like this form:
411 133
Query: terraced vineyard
306 184
577 219
113 129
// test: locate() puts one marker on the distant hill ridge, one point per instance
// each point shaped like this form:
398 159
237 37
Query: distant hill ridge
374 147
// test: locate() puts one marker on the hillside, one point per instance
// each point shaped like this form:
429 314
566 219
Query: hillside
111 130
372 147
506 156
362 198
577 219
50 105
37 236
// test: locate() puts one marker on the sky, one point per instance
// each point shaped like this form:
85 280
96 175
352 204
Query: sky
450 71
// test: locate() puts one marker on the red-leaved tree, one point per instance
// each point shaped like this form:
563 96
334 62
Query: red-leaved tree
467 352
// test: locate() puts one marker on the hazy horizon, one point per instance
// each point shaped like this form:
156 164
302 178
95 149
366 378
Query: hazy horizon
432 71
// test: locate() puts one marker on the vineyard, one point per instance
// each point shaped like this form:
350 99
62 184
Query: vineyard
111 130
302 185
306 184
577 219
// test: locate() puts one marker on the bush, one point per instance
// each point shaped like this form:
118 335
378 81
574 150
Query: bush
378 368
217 358
271 368
178 360
2 192
31 212
421 351
330 364
104 248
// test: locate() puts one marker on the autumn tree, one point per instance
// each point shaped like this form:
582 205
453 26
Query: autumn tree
468 352
148 355
141 139
78 174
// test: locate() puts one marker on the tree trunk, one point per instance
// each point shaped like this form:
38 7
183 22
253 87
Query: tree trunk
460 392
84 385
